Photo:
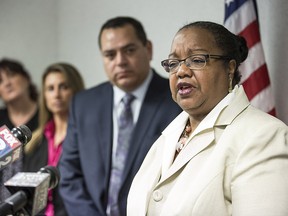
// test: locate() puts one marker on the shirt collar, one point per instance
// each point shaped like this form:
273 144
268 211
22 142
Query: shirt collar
208 122
49 129
210 119
139 93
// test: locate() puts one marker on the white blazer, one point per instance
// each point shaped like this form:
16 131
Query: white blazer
239 167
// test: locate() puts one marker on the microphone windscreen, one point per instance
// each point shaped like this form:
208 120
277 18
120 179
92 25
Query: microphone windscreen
54 175
22 133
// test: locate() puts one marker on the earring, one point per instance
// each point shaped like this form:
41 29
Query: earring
230 84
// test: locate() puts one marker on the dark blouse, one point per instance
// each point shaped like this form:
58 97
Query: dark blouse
4 120
16 166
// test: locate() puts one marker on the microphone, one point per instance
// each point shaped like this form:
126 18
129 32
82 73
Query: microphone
11 142
30 191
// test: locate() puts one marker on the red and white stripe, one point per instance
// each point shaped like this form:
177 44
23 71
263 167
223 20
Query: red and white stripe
255 76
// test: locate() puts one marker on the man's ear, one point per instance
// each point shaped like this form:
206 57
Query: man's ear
149 47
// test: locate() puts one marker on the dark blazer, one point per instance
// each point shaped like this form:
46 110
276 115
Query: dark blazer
86 158
33 163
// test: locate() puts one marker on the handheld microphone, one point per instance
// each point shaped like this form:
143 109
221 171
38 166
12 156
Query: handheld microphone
11 142
30 191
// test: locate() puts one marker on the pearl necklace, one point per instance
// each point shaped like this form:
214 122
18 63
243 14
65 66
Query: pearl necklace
184 137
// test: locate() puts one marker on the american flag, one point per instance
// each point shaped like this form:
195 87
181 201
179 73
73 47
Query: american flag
241 18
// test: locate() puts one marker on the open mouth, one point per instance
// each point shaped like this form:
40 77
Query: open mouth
184 88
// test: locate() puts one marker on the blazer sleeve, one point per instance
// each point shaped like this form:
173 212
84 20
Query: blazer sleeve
259 185
76 198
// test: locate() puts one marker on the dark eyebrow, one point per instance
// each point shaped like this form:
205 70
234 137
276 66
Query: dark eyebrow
130 45
189 51
172 55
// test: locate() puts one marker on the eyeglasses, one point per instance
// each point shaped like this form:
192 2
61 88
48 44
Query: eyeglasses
196 61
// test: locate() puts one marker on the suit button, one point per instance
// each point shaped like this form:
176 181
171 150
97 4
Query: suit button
157 195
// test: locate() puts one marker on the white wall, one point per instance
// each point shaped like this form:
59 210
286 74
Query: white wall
28 33
81 21
41 32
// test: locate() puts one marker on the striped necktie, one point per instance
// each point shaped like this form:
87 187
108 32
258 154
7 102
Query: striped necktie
125 128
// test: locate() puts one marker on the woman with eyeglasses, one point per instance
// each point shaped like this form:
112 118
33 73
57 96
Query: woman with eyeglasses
221 156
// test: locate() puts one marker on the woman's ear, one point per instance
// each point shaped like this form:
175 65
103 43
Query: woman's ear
231 68
231 71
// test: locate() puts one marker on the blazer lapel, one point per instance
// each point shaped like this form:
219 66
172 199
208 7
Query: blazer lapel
146 117
198 144
105 125
200 141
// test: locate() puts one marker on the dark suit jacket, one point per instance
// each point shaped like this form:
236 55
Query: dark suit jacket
33 163
86 158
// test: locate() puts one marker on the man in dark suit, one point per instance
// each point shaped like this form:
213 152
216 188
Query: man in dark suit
90 145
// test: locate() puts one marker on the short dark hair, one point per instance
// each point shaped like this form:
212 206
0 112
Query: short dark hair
233 46
122 21
16 67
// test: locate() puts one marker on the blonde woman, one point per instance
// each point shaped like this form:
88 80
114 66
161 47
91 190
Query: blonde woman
60 82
